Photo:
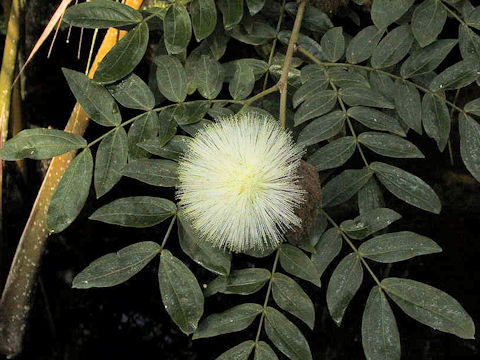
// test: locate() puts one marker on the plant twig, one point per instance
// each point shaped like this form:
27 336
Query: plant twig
283 82
16 297
449 143
349 123
274 43
353 247
167 234
393 76
267 296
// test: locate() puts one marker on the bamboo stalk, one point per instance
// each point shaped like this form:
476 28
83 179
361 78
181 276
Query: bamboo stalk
16 120
6 78
16 298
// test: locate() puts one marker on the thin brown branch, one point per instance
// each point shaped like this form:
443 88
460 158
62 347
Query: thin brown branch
283 82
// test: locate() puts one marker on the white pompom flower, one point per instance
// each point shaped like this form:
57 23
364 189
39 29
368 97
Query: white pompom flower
238 183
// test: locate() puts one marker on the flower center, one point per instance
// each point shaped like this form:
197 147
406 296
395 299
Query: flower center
245 181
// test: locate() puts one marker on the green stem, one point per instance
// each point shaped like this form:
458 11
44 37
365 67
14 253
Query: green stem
350 126
368 68
274 44
454 14
353 247
267 297
167 234
153 14
283 82
260 95
125 123
449 143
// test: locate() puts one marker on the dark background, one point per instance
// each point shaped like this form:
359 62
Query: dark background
129 322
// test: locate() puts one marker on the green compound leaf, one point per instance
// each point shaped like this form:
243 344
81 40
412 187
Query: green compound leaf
425 60
334 154
430 306
172 150
235 319
408 105
135 211
342 187
192 112
101 14
239 352
171 78
393 47
167 126
361 46
473 107
436 119
370 197
215 286
246 281
456 76
386 12
153 172
469 43
111 157
369 222
319 226
344 283
327 249
232 11
243 82
209 76
115 268
375 119
263 351
40 144
133 93
407 187
72 193
290 297
204 18
359 95
333 44
383 84
470 144
323 128
192 129
473 18
286 336
124 56
314 19
347 78
310 88
259 67
389 145
296 262
201 251
380 337
97 102
427 21
177 28
181 293
144 128
316 106
254 6
398 246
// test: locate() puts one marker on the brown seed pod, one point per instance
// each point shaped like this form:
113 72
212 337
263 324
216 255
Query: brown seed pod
308 212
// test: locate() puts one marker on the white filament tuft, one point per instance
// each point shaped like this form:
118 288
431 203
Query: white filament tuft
238 183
